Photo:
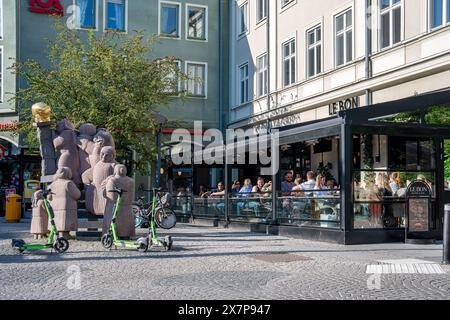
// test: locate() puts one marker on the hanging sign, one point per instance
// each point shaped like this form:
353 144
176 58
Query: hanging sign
47 7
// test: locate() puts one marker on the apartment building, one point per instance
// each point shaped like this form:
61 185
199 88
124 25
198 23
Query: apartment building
323 74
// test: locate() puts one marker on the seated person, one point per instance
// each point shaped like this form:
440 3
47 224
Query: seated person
245 192
219 192
309 184
235 187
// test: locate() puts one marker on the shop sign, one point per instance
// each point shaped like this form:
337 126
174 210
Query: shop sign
47 7
342 105
419 197
8 127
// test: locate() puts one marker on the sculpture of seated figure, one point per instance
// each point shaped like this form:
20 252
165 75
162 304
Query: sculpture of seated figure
102 170
65 142
39 222
125 218
63 200
86 145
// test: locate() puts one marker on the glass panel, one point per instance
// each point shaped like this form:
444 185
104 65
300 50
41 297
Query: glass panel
319 59
311 62
169 20
292 70
116 15
397 25
311 39
340 23
385 31
318 208
448 10
252 207
436 11
197 23
87 13
243 27
348 19
340 50
349 46
318 34
286 73
385 4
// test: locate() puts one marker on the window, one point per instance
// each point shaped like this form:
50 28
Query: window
87 10
391 22
172 84
344 38
314 38
439 13
196 22
170 19
262 76
115 14
243 84
261 10
289 63
197 83
243 19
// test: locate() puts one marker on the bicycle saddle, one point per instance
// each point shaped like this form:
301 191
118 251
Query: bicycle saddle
119 191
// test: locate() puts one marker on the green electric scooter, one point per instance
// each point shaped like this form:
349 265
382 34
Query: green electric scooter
111 239
162 216
60 244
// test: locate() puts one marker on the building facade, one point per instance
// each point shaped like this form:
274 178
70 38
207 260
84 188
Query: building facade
322 73
192 31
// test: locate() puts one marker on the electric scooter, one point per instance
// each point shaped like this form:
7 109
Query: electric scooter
162 217
60 245
111 239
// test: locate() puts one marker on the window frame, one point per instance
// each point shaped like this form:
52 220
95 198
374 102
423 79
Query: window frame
445 15
188 5
172 3
105 18
390 10
205 82
286 5
96 18
1 18
314 46
265 75
258 9
247 79
290 57
242 34
344 32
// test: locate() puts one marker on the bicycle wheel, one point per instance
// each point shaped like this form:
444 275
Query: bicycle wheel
165 218
137 217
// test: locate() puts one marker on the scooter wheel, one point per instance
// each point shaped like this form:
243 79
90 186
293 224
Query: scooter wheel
143 247
107 241
168 243
61 245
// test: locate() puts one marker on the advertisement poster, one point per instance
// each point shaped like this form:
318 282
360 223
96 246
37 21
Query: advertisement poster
418 214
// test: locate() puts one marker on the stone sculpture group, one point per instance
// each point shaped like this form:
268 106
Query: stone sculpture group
72 162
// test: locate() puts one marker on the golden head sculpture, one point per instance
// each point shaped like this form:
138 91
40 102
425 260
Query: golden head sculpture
41 112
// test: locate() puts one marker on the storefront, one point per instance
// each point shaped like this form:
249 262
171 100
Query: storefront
368 161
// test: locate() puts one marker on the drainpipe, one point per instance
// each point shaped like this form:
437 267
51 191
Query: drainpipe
221 68
368 62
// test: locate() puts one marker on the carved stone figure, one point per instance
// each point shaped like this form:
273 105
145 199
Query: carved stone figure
65 142
102 170
86 145
39 222
63 200
125 219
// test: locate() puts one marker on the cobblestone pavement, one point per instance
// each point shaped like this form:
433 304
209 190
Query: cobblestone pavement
209 263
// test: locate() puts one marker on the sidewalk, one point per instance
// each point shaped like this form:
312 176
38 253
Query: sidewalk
209 263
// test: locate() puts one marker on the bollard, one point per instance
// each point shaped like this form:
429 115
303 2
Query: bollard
446 258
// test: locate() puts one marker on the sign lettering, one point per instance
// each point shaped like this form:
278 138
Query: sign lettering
47 7
350 103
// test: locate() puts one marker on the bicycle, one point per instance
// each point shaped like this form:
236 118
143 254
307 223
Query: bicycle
159 207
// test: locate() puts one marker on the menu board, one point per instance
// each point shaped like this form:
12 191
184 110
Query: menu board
418 214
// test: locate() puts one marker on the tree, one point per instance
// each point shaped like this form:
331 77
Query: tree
109 80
